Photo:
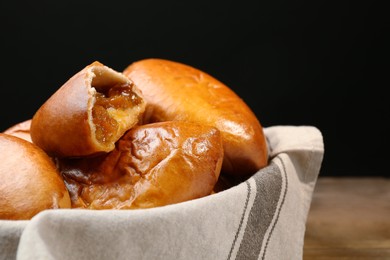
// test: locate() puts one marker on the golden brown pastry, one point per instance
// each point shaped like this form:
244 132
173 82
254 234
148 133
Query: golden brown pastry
29 180
175 91
152 165
21 130
88 114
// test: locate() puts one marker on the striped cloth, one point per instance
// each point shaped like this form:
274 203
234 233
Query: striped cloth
261 218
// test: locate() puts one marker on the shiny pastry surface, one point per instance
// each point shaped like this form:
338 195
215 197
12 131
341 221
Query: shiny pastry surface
88 114
176 91
152 165
30 181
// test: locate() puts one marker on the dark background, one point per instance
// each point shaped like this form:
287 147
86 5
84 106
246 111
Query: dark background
318 63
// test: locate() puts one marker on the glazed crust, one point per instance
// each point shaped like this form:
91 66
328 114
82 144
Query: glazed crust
21 130
175 91
152 165
30 182
63 126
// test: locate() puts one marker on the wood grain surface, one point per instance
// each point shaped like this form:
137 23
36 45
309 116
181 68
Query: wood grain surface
349 218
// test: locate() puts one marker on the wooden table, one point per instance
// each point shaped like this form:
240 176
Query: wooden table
349 218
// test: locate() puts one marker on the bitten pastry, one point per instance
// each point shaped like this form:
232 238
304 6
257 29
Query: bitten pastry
21 130
175 91
29 180
152 165
88 114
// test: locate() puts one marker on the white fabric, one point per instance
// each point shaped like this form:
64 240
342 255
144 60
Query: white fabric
261 218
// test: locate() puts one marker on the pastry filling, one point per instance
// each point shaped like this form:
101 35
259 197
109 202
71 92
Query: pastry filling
110 111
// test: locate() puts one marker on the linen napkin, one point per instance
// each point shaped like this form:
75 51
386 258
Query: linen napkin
263 217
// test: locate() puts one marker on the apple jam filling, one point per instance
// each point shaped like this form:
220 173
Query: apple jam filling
111 109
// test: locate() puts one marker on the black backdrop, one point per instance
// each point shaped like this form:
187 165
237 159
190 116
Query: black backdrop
318 63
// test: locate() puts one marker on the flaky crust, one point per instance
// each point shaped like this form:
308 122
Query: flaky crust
152 165
30 182
21 130
175 91
63 125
